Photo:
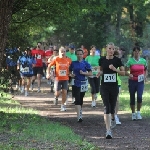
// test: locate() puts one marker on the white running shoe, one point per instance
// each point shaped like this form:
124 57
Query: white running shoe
38 91
93 104
108 134
113 124
63 108
73 100
138 115
117 120
133 116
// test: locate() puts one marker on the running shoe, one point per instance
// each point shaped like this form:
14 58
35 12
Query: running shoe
133 116
117 120
38 91
93 104
113 123
138 115
63 108
55 101
73 100
80 120
108 134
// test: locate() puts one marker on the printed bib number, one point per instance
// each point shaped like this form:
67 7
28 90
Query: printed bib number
62 72
38 56
141 78
109 77
26 69
84 86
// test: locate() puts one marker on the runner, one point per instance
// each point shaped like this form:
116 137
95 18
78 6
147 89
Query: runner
85 51
94 81
116 53
109 85
38 68
137 75
71 54
25 66
62 64
79 70
11 61
52 69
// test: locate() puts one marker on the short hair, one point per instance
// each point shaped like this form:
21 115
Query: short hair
110 43
93 46
62 48
79 50
136 48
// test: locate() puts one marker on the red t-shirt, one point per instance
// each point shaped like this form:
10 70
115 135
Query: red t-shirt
39 55
48 53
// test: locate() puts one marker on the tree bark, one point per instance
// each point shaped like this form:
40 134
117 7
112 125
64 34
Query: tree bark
6 7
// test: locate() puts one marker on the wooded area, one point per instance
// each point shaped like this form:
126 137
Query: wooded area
24 23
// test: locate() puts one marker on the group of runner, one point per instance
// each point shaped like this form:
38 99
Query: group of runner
77 68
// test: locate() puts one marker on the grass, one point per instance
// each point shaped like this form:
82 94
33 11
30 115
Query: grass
24 129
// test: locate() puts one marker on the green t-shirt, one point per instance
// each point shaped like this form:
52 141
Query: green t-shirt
93 61
73 57
118 79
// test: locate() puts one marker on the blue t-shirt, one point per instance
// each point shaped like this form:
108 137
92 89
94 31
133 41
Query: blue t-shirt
76 66
26 62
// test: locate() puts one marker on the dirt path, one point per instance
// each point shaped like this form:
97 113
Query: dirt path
130 135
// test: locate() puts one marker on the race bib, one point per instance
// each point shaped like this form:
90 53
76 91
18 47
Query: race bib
109 77
38 56
26 69
84 86
141 78
62 72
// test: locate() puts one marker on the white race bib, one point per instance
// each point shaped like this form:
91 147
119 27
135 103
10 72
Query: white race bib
26 69
62 72
38 56
94 70
141 78
109 77
84 86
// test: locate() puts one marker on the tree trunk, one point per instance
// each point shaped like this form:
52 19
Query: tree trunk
5 18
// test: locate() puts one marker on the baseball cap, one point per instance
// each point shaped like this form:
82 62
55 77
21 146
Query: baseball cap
72 46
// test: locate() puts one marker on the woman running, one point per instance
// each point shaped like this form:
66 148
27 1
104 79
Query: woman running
79 70
94 81
109 85
137 75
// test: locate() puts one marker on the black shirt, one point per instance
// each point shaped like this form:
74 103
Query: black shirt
109 76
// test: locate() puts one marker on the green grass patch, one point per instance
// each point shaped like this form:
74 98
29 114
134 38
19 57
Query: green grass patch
23 129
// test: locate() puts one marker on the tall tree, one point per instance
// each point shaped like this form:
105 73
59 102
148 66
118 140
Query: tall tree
6 7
